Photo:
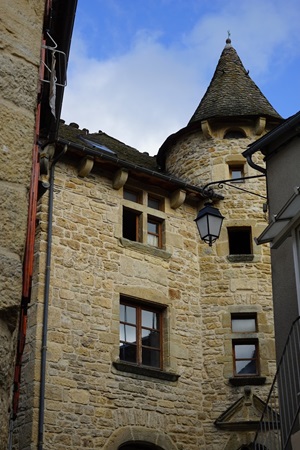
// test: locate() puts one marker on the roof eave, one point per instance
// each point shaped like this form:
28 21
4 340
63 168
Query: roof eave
121 163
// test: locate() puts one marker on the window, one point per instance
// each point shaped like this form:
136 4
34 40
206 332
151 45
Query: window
139 446
243 323
131 195
236 171
154 230
140 334
131 224
239 239
143 218
245 349
154 203
245 356
234 134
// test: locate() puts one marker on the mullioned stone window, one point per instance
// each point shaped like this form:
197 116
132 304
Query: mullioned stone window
143 218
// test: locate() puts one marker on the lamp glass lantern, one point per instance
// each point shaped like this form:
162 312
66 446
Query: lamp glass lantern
209 221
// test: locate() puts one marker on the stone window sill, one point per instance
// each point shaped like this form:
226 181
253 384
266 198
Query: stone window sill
144 248
145 371
247 381
240 258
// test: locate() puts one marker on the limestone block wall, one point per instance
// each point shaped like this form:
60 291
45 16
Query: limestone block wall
91 404
227 284
20 30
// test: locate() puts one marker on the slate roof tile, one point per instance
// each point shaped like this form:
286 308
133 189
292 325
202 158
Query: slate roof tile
232 92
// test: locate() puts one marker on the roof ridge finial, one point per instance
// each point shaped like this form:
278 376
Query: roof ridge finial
228 40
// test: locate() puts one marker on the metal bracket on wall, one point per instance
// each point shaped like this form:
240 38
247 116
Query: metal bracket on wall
208 191
55 63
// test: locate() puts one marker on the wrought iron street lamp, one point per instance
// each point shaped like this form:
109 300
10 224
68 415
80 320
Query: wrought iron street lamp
209 221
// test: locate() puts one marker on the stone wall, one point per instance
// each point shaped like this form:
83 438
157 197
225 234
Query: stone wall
228 286
20 28
90 403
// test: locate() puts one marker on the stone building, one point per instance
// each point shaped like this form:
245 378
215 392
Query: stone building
150 338
21 26
26 121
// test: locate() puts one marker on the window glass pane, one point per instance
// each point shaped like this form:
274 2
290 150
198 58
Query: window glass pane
152 227
128 314
122 313
128 353
127 333
245 351
150 338
243 325
150 357
153 203
132 196
246 367
236 173
152 240
150 319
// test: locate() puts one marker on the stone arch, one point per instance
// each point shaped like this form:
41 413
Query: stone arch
132 434
235 133
138 445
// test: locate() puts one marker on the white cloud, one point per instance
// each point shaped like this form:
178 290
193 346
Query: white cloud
143 96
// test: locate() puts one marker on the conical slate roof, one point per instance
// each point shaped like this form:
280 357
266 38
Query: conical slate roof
232 92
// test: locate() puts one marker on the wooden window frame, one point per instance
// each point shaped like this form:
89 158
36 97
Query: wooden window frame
140 306
154 220
144 214
246 341
137 214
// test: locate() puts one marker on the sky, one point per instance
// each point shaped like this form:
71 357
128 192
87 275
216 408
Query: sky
139 68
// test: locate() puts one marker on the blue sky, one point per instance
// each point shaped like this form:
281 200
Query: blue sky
139 68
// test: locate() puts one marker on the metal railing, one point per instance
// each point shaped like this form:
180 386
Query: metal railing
279 418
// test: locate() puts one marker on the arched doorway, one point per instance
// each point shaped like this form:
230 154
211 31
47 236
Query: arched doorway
139 438
138 445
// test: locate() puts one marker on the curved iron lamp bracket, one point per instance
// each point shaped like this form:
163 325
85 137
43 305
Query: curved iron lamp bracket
208 191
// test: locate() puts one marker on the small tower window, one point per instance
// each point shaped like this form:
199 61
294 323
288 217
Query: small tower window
234 134
236 172
239 240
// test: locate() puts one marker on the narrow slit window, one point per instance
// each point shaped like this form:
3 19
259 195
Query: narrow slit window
245 349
